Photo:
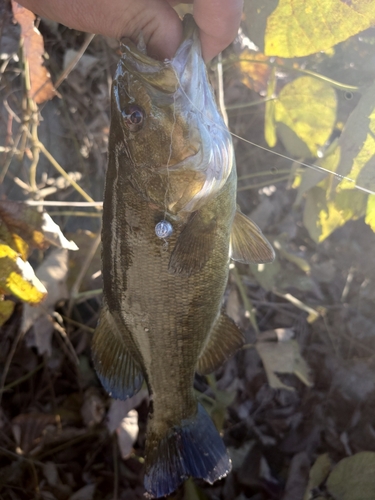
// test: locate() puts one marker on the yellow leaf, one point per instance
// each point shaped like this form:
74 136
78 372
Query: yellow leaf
25 221
17 277
308 107
370 212
37 229
269 118
6 310
321 216
297 28
14 241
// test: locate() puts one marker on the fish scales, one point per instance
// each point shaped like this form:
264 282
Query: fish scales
170 159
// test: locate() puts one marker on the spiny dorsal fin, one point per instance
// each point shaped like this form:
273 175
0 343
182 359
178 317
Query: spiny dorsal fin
225 339
118 372
248 243
194 245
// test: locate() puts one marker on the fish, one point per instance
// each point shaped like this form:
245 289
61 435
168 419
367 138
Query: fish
170 226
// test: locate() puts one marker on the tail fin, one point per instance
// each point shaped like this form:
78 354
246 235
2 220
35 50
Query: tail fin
194 449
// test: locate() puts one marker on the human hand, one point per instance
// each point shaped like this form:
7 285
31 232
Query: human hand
218 21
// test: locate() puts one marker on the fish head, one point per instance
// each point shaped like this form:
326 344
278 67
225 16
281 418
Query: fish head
165 112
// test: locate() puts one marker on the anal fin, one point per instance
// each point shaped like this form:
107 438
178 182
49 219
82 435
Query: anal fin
118 372
225 339
248 243
194 245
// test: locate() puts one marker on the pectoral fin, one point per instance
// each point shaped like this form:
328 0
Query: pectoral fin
119 373
193 246
248 242
225 339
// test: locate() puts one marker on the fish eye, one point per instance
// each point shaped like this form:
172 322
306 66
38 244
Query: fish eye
133 117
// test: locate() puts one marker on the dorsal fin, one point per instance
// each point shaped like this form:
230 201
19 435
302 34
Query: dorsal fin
248 243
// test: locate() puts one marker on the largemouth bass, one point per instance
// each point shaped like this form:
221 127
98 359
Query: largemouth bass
170 224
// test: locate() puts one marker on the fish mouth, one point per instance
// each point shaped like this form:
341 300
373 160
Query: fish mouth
168 75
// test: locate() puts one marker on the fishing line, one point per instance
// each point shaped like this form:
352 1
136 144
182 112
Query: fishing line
317 168
165 227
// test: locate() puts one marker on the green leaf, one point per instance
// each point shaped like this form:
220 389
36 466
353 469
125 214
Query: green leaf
307 107
192 492
297 28
318 473
17 277
294 145
6 310
357 144
353 478
311 177
266 274
284 251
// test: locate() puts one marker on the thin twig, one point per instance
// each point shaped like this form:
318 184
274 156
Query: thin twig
74 61
263 184
8 362
312 313
22 379
83 204
265 173
78 324
68 444
115 467
66 176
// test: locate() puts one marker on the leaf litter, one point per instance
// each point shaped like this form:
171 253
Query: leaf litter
63 438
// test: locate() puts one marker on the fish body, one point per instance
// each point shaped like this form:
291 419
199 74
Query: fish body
171 162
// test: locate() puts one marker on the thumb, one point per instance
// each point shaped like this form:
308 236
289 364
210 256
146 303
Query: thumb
156 19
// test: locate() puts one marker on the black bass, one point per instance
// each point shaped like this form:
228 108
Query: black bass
170 225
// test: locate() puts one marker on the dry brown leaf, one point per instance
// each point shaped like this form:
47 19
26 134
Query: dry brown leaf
41 86
282 357
28 430
85 493
52 274
93 407
255 70
36 229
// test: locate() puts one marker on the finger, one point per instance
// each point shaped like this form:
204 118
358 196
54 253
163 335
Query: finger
218 21
156 19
